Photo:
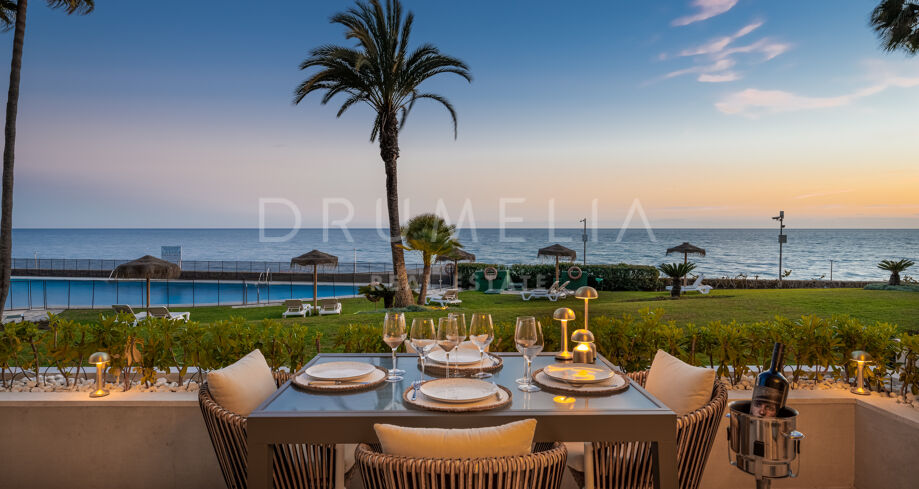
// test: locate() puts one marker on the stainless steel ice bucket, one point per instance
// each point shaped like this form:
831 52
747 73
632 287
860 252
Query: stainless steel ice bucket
763 447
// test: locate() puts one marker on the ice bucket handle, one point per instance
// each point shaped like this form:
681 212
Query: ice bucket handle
730 452
796 437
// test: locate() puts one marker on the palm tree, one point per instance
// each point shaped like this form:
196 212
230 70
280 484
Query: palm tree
430 235
13 14
895 267
382 73
897 24
676 271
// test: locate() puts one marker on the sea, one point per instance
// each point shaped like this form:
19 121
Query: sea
809 254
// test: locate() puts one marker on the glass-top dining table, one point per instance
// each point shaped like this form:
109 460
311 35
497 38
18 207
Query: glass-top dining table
292 415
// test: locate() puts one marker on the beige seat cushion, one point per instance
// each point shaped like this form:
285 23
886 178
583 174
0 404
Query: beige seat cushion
499 441
242 386
680 386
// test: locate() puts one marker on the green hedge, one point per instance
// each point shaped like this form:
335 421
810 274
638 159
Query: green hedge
613 277
818 348
152 346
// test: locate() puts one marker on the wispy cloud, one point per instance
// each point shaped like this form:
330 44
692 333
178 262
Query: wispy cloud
753 102
821 194
715 57
706 9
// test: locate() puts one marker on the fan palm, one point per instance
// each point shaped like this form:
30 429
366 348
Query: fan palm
430 235
13 15
895 267
382 73
897 24
676 271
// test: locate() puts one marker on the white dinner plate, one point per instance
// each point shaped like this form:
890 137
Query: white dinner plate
339 370
461 356
458 391
578 373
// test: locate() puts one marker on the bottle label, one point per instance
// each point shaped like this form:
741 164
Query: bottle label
766 402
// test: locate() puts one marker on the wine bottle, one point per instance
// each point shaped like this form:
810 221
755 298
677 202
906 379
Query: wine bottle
771 388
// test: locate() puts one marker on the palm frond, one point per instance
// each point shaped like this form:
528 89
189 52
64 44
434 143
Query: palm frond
380 69
897 24
81 7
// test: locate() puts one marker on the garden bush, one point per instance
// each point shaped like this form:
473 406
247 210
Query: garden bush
611 277
817 348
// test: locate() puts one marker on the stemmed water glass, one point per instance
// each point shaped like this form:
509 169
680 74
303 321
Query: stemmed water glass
529 340
482 333
423 339
393 335
447 336
460 332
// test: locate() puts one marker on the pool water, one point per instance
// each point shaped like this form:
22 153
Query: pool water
51 293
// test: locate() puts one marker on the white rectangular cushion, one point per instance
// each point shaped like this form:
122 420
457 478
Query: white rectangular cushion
242 386
498 441
680 386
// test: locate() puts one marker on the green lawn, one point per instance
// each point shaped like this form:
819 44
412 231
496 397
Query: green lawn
901 308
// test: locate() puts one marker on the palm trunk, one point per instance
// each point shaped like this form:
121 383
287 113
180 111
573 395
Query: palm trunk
12 109
675 287
389 151
894 278
425 278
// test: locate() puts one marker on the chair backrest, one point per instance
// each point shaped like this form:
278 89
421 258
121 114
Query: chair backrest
698 280
450 294
695 436
158 312
295 466
293 305
543 468
328 303
122 309
554 287
563 286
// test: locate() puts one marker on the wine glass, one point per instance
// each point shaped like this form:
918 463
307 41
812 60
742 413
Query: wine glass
460 331
447 336
394 335
529 340
423 339
482 333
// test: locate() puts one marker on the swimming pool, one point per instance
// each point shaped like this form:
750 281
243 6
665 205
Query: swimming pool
70 293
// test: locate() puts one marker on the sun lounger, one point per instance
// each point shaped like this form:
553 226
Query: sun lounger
127 310
296 307
450 297
563 291
552 293
696 286
12 318
161 312
329 306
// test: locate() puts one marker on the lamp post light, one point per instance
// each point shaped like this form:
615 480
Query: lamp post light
587 293
564 314
584 239
783 238
860 358
99 359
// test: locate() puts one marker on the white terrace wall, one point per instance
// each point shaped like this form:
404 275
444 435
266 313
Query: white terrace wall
158 440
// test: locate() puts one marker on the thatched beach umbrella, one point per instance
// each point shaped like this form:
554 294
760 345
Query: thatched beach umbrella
558 251
315 258
147 267
455 256
686 249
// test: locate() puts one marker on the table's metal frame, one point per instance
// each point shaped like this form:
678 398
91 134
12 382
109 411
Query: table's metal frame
657 426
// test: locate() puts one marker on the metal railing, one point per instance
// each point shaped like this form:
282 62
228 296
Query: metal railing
234 266
29 292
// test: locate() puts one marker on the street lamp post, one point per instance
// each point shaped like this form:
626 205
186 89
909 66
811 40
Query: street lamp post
584 239
782 240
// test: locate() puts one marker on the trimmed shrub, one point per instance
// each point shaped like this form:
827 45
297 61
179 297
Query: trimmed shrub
604 277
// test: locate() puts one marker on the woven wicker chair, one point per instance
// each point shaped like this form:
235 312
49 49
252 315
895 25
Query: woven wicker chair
627 465
542 469
295 466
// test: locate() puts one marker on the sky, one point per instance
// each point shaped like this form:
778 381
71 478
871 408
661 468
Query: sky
692 113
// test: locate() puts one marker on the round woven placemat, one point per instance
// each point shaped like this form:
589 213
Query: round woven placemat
618 383
373 379
492 402
440 369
